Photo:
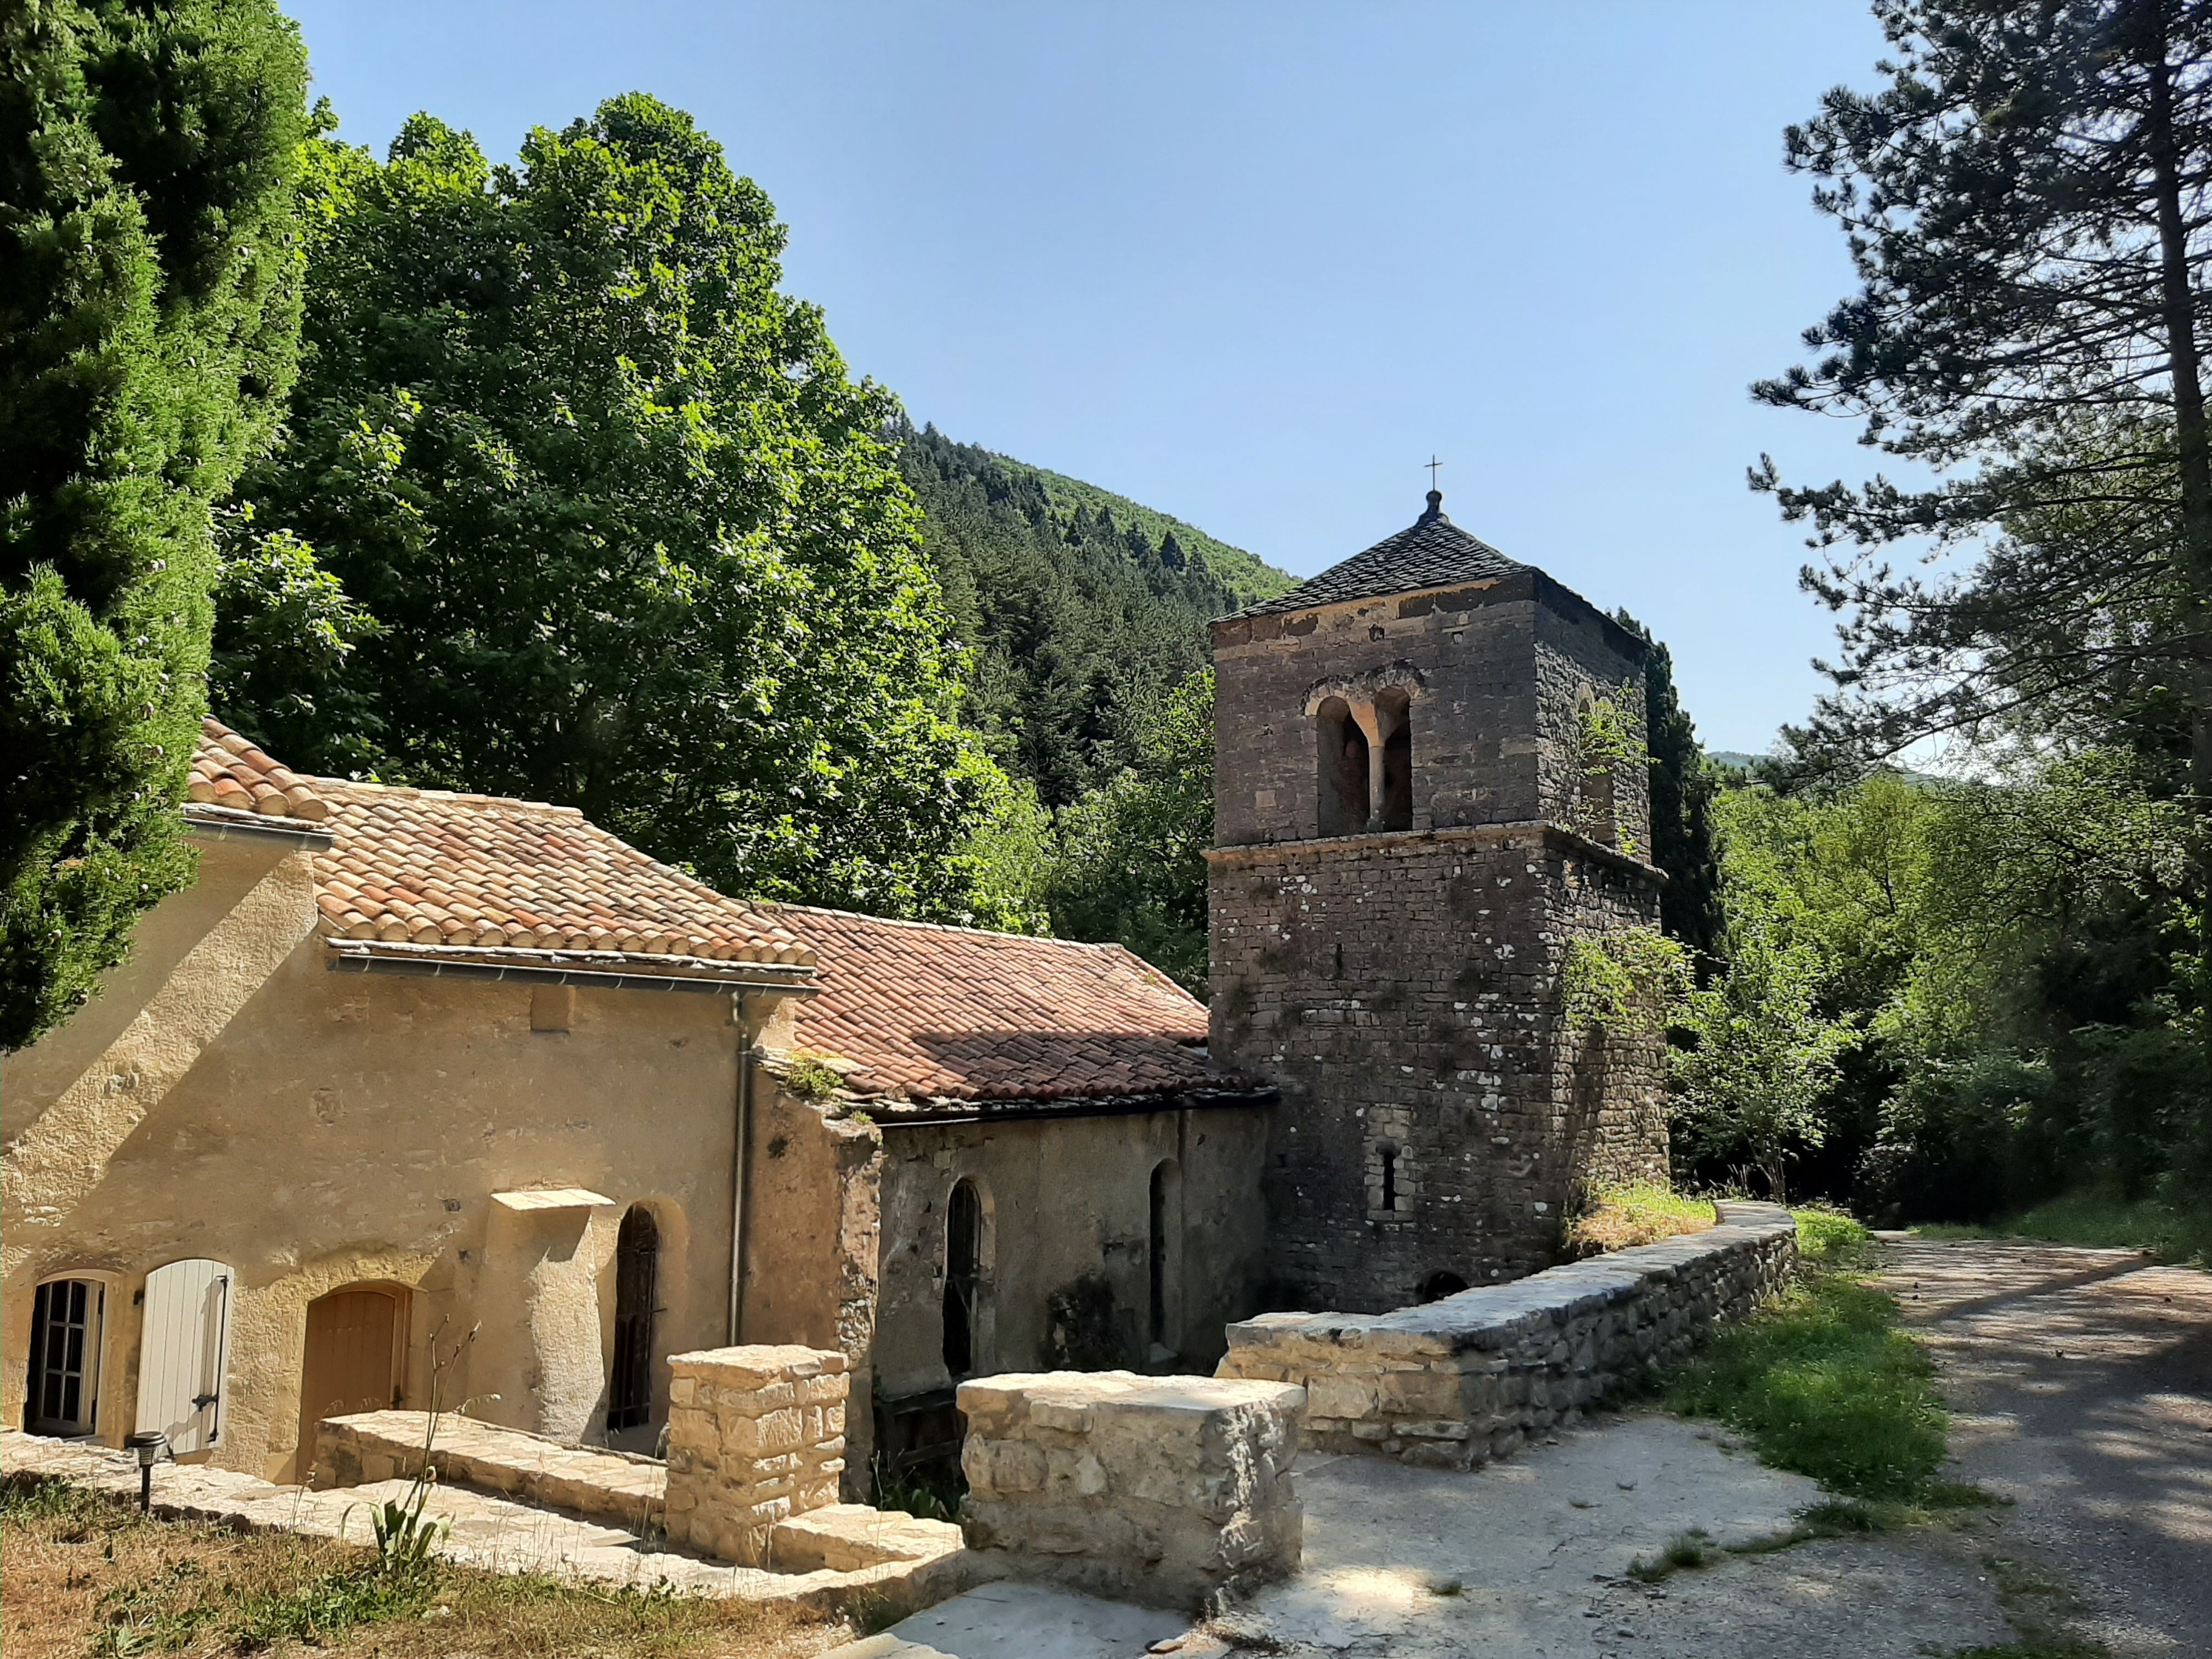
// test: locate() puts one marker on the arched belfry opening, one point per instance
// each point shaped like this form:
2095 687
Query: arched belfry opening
1394 719
1342 748
637 1274
964 1276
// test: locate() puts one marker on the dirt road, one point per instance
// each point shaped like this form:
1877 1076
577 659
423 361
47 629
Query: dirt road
2081 1381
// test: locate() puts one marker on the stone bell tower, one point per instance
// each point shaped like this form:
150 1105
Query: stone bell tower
1414 819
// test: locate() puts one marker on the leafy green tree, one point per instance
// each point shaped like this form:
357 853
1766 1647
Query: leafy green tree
610 524
1132 863
149 329
2028 202
2043 1037
1751 1088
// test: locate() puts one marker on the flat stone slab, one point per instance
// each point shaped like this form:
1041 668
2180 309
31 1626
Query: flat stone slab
1020 1622
584 1481
916 1565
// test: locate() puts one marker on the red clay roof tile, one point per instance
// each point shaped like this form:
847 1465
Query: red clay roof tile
541 877
935 1012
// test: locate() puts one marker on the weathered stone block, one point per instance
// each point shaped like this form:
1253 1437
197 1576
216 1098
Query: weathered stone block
746 1455
1168 1491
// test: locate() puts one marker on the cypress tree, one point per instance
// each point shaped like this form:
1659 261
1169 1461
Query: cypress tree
149 329
1682 789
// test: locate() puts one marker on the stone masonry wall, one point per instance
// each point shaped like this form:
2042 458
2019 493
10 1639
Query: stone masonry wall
1402 987
1454 1382
1403 992
756 1436
1495 670
1169 1491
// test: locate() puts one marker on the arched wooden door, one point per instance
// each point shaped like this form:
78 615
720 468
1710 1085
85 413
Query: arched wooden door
352 1359
637 1270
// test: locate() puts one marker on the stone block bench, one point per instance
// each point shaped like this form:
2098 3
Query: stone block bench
588 1482
1451 1384
1173 1492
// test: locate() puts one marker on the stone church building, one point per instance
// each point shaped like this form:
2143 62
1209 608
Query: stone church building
1413 824
415 1094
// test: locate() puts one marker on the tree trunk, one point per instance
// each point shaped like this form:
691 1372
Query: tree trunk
2193 451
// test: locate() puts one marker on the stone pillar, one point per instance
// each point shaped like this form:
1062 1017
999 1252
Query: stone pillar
756 1435
1169 1491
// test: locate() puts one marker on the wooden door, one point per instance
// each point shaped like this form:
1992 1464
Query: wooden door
183 1351
352 1342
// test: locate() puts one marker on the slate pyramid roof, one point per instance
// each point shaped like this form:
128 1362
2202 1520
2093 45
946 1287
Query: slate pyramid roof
1432 552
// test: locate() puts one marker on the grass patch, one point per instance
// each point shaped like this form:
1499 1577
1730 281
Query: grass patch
1824 1382
1622 1216
2103 1219
87 1575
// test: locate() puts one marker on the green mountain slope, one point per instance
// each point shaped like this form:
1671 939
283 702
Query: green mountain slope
1246 576
1086 610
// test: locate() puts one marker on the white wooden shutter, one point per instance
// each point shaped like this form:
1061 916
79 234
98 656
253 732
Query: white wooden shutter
182 1351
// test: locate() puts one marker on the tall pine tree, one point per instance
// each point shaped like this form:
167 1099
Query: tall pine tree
2028 203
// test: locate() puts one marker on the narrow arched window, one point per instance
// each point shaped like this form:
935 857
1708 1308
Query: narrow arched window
1160 1256
963 1274
1341 766
1387 1155
1393 715
637 1270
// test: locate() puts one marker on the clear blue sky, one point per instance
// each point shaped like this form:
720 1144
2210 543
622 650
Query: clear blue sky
1252 264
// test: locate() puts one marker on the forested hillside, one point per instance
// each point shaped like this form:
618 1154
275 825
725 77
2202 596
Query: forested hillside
1085 610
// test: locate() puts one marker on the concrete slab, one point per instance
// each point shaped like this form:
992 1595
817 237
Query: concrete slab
1530 1558
1027 1622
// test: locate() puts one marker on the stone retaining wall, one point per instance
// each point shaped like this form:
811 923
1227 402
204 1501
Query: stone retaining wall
1168 1491
756 1436
1452 1383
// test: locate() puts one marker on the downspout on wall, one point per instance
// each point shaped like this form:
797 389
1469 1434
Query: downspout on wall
740 1170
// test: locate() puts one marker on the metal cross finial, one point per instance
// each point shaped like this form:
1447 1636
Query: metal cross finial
1433 465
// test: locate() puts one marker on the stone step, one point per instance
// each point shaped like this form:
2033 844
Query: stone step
590 1484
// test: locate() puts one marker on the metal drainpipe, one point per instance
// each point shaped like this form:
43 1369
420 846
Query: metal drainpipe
740 1167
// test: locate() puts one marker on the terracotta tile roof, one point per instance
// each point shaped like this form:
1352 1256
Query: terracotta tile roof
424 867
229 771
428 867
954 1013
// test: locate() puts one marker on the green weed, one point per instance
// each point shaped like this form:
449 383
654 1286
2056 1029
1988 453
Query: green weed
927 1492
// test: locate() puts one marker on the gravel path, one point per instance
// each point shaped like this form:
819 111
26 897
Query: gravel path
2082 1384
